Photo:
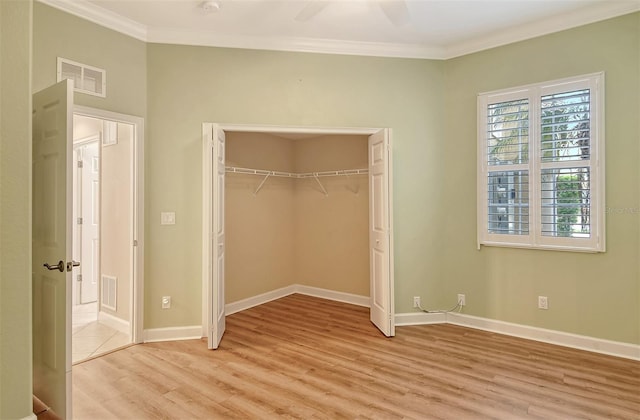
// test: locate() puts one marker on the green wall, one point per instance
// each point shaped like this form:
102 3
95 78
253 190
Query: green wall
191 85
431 107
591 294
58 34
15 209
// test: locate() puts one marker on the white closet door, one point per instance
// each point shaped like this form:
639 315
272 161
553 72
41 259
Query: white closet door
380 243
213 224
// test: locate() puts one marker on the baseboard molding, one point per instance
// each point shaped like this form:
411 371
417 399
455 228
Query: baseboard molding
172 334
241 305
114 322
419 318
30 417
597 345
581 342
332 295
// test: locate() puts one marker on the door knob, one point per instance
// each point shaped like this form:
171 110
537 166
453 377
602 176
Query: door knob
72 264
59 266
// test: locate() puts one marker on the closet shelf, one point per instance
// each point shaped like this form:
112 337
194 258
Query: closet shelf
316 175
263 172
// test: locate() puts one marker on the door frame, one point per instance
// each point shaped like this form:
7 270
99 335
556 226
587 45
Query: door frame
136 214
270 129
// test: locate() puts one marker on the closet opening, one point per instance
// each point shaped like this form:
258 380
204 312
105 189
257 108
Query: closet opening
296 210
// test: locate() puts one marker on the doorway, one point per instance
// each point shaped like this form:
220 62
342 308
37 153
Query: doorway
105 232
380 221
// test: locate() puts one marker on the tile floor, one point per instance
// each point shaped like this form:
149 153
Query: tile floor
91 338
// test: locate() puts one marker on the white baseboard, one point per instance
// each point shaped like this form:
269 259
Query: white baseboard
598 345
30 417
419 318
332 295
172 334
241 305
581 342
114 322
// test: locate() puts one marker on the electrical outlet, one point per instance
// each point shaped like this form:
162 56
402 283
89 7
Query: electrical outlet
543 302
416 301
462 300
166 302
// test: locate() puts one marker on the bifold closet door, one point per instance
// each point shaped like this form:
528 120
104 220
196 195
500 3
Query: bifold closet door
380 246
213 225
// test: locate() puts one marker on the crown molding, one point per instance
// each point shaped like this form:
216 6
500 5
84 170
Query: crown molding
560 22
309 45
100 16
557 23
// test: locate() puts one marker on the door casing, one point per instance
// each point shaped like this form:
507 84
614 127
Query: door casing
136 213
295 130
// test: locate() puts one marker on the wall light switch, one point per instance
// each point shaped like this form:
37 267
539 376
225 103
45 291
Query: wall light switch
168 218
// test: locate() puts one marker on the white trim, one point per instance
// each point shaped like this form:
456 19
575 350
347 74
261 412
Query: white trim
207 129
86 140
172 334
559 22
358 300
535 238
582 342
30 417
114 322
137 257
241 305
562 21
560 338
295 44
293 129
419 318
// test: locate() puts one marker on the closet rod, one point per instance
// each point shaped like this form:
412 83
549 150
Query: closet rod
263 172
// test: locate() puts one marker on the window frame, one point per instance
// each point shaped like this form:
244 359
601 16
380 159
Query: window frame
534 93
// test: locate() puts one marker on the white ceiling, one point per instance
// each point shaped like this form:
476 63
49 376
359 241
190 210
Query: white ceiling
436 29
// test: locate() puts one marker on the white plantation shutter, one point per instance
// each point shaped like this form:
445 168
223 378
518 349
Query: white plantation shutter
541 165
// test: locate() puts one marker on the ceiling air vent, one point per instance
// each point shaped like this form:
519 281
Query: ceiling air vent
86 79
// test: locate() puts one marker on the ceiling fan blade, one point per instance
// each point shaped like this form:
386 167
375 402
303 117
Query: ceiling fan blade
396 11
311 9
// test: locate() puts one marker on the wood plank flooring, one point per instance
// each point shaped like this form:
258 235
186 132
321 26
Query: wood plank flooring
304 357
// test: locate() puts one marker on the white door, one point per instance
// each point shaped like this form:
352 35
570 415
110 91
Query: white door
87 223
52 212
380 240
213 226
90 222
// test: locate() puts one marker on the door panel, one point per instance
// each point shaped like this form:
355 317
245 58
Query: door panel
219 238
213 223
90 222
380 255
51 242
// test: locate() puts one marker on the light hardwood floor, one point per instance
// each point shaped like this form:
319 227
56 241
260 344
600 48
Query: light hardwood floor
303 357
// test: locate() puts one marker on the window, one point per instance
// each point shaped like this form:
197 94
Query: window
86 79
541 165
